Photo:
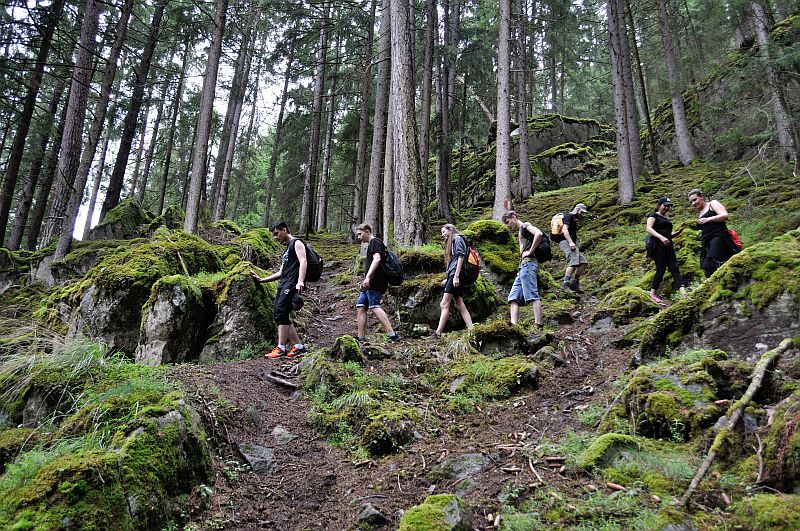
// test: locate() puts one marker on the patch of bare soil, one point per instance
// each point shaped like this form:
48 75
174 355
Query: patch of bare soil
316 486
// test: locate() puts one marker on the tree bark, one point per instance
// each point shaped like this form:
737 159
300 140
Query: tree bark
452 17
682 135
58 222
151 149
137 165
327 150
273 160
248 137
25 201
787 134
176 106
625 172
379 129
634 140
525 181
129 125
363 124
87 226
23 124
204 120
425 100
406 155
502 194
310 185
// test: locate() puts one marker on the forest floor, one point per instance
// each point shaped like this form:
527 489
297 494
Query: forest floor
315 485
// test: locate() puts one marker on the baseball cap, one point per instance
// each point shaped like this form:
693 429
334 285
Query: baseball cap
664 201
579 209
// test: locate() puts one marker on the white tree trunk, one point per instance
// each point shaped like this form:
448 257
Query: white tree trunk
502 193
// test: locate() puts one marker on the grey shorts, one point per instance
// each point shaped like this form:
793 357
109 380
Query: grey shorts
574 258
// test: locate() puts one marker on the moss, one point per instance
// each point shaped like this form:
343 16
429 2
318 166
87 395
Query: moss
782 446
389 429
625 304
479 378
602 448
15 441
128 215
499 336
228 225
497 247
436 514
346 348
172 218
769 512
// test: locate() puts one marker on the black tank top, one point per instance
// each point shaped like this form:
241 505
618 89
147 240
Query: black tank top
662 225
714 228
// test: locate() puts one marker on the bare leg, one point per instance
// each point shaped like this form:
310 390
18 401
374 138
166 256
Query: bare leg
384 320
462 309
514 309
361 319
293 337
580 269
569 271
537 311
445 307
283 334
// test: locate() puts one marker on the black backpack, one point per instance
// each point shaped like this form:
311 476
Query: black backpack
314 264
543 252
393 269
471 269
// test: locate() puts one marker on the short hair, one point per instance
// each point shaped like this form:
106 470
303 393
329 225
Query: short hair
278 225
695 191
364 227
508 215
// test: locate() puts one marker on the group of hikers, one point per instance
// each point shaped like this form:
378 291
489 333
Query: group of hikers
717 247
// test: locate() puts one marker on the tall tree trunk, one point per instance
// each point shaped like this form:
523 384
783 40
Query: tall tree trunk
106 88
61 219
49 167
151 149
525 181
248 137
645 104
203 130
25 201
363 123
327 150
222 190
176 106
425 103
273 159
129 125
389 219
625 173
379 129
452 17
137 165
682 135
634 139
502 193
87 226
787 134
310 185
23 124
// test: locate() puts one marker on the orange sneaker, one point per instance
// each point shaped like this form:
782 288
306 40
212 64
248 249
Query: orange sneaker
295 352
277 352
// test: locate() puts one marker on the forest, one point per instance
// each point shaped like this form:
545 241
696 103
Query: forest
146 148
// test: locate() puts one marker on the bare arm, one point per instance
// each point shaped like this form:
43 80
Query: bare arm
376 261
652 232
271 278
719 208
537 239
300 251
565 232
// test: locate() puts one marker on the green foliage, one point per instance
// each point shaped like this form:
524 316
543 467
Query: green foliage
769 512
431 515
475 378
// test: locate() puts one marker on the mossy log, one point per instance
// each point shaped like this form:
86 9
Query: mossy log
735 414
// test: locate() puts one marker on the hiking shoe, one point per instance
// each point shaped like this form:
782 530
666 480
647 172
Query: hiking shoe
575 285
295 352
656 299
566 287
394 339
277 352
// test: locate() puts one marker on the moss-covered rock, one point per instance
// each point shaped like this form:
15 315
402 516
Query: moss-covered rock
782 446
171 219
476 378
14 441
605 449
499 337
497 247
624 305
769 512
123 222
389 429
440 512
258 247
346 348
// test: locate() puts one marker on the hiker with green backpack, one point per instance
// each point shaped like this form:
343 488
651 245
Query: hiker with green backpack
532 243
564 230
456 253
295 270
374 284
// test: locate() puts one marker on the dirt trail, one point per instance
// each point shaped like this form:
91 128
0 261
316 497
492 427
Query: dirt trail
316 486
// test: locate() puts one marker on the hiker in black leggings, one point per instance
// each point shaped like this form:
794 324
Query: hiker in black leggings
717 245
660 248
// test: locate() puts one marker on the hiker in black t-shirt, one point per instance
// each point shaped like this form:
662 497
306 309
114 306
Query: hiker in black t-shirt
660 248
568 243
292 276
455 254
717 245
374 285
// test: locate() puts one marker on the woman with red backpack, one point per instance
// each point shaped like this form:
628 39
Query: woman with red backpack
718 245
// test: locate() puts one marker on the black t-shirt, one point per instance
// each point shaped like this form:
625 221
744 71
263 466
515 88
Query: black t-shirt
378 280
662 225
571 222
291 265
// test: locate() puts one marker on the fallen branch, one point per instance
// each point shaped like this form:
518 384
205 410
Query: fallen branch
735 414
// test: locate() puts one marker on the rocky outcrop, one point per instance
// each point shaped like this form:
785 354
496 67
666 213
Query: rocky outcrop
125 221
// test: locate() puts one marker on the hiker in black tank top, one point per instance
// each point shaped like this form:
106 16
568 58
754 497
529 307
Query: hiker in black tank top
717 247
661 250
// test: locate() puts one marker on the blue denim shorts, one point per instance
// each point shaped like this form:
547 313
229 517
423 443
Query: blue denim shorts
526 286
370 298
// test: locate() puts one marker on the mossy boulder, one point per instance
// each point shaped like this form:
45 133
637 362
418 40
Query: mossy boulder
757 290
123 222
243 317
389 429
499 337
14 441
346 348
258 247
604 450
418 301
83 257
782 446
769 512
477 378
674 399
175 321
422 260
624 305
497 247
171 219
440 512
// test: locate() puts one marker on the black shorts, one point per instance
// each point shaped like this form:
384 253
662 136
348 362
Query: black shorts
283 304
451 289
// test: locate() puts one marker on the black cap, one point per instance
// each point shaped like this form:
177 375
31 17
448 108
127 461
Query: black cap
664 201
297 302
